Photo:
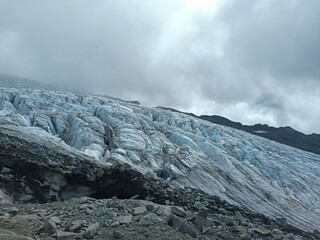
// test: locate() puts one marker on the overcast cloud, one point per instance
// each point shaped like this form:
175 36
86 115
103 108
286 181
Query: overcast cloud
248 60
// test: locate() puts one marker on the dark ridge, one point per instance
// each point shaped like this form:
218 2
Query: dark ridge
284 135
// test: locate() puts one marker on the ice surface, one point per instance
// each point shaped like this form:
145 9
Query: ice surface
243 169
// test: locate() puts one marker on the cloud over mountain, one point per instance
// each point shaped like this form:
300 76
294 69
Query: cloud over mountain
251 61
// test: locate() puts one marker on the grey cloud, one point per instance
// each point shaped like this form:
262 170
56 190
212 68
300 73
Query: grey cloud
269 101
279 38
248 61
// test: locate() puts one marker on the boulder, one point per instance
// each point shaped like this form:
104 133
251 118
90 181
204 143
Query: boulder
178 212
262 230
203 212
99 211
125 219
49 226
229 221
199 205
240 229
62 235
140 210
201 223
239 217
277 233
91 230
182 225
56 219
77 225
117 235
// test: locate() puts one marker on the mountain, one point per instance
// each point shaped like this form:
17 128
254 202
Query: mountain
11 81
285 135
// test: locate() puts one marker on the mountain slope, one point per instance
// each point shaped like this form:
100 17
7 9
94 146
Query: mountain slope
243 169
11 81
285 135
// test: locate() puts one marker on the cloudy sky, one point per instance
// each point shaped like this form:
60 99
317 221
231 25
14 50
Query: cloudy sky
248 60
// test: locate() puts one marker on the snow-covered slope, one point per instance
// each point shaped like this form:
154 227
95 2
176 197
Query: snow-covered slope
267 177
19 82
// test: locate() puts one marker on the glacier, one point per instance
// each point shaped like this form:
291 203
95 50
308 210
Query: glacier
243 169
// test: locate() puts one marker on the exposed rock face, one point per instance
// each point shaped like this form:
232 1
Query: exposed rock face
91 230
58 146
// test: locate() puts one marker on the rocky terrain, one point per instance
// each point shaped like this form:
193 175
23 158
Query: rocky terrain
36 206
151 208
168 213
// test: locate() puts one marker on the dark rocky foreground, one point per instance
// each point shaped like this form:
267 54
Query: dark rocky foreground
88 218
51 193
